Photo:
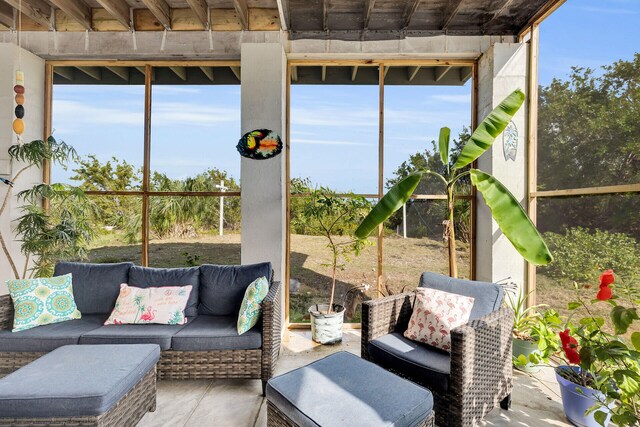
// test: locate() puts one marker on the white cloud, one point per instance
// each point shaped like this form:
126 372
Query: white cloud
177 113
170 90
607 10
453 99
329 142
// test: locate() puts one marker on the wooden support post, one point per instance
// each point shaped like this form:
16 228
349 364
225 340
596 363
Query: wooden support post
381 75
532 150
48 100
146 169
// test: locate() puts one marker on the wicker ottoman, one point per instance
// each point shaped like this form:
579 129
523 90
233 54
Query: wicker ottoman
82 385
345 390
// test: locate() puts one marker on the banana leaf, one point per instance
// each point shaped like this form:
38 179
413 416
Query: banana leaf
512 219
443 144
490 128
391 202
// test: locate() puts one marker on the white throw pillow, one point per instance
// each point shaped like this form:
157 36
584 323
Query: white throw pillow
164 305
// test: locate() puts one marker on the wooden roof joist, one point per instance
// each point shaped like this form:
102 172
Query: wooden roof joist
6 15
38 11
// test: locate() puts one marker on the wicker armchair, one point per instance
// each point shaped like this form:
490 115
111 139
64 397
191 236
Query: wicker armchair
479 367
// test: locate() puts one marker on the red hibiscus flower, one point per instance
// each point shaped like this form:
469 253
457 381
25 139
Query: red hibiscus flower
605 293
570 347
607 278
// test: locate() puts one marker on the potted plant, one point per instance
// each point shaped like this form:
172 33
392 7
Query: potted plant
330 216
505 208
600 381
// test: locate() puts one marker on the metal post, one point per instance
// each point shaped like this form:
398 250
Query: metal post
222 189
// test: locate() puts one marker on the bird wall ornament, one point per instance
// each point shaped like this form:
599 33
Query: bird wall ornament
6 181
260 144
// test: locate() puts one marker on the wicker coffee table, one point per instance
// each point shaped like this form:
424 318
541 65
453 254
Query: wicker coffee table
345 390
82 385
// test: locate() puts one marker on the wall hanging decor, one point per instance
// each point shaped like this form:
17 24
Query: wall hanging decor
510 142
260 144
18 123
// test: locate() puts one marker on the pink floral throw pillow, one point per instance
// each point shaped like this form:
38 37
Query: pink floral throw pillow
164 305
435 314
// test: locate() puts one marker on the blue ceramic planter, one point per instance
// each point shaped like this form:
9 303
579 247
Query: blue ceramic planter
575 404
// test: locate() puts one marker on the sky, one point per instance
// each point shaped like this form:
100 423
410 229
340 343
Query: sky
334 129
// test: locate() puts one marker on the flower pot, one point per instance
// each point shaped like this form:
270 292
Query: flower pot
326 328
525 348
576 403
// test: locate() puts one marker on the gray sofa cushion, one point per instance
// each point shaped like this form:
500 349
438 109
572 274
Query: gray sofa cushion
344 390
95 286
75 381
145 277
49 337
423 363
215 333
487 296
222 287
132 334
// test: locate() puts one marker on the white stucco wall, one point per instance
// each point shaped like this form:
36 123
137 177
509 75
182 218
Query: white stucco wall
502 69
33 68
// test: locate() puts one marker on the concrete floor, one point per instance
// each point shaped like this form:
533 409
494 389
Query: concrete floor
239 403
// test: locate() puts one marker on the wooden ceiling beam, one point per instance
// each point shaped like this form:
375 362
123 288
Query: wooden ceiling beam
324 72
200 8
354 73
161 10
498 13
6 15
465 74
440 72
285 14
207 71
408 13
38 10
294 73
64 72
142 71
181 72
119 9
78 10
243 13
325 15
450 12
412 72
368 9
236 72
93 72
122 72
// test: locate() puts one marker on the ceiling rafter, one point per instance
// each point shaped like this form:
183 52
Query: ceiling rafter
122 72
93 72
412 72
200 8
38 10
119 9
207 71
465 74
325 15
440 72
236 71
408 13
6 15
243 12
78 10
368 9
354 73
65 72
181 72
285 14
161 10
450 12
499 13
294 73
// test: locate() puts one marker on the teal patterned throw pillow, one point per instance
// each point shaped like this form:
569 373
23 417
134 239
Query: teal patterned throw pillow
43 301
251 304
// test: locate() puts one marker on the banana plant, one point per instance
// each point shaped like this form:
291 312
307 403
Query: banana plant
507 212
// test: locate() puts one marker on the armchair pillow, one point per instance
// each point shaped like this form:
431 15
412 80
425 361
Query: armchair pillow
251 308
435 313
164 305
42 301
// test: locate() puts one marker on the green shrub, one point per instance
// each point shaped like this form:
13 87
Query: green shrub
581 254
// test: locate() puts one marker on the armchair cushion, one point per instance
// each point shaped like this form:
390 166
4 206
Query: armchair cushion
487 296
421 363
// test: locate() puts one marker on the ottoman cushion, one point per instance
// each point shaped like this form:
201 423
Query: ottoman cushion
75 380
343 389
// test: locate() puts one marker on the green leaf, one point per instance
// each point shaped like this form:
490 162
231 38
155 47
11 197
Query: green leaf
622 318
490 128
391 202
627 380
445 132
512 219
600 417
635 340
573 305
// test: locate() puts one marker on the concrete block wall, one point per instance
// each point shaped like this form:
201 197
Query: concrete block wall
14 58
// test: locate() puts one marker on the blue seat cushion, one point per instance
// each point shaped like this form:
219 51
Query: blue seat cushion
422 363
75 381
132 334
146 277
207 333
49 337
95 286
344 390
487 296
222 287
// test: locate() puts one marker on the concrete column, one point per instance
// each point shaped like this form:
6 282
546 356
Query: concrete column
14 58
263 94
502 69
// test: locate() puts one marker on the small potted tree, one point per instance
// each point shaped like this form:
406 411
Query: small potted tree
333 217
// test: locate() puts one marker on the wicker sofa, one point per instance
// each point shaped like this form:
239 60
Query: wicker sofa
470 381
207 347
